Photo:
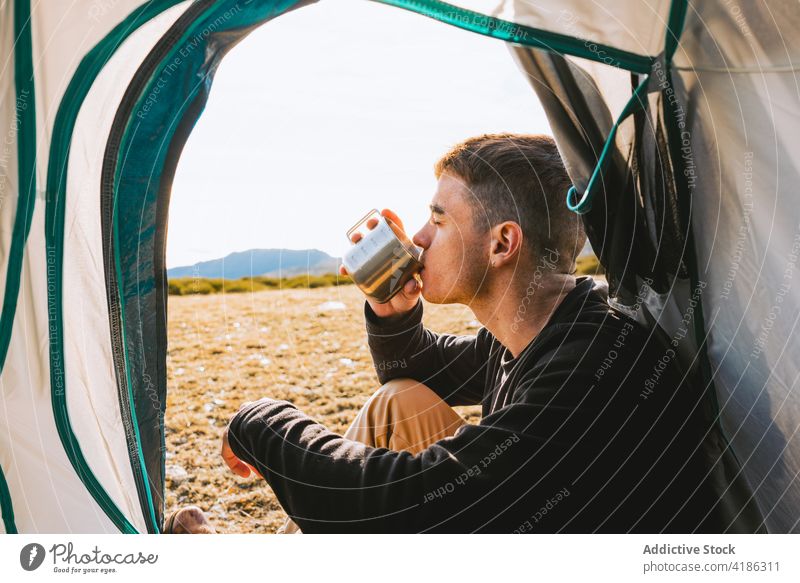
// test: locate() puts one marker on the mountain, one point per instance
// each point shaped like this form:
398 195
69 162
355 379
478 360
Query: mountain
269 262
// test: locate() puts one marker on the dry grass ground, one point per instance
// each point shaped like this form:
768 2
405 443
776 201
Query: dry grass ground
306 346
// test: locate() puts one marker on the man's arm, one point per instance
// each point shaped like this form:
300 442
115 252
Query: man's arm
327 483
453 366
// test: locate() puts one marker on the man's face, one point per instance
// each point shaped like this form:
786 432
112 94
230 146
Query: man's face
456 255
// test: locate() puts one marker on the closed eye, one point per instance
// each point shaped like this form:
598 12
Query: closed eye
436 211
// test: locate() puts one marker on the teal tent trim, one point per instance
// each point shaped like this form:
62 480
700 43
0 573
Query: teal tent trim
525 35
677 20
76 92
25 120
637 102
8 509
584 205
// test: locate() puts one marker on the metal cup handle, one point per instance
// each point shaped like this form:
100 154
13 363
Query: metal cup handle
361 221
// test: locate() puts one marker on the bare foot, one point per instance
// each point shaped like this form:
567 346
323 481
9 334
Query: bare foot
188 520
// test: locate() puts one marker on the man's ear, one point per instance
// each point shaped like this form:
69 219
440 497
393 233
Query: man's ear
506 243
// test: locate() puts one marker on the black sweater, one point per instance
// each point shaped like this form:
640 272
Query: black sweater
589 429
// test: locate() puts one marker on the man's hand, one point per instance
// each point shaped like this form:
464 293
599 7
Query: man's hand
407 298
236 465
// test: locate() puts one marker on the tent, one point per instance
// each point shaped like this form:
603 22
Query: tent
676 120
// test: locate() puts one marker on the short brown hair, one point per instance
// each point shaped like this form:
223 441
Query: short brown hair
520 178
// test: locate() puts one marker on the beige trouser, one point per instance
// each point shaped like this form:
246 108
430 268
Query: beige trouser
402 415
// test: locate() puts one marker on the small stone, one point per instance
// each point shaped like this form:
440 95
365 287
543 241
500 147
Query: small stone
177 474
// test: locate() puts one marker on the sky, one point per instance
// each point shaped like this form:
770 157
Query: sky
330 111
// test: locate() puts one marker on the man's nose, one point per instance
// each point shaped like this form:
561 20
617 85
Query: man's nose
420 239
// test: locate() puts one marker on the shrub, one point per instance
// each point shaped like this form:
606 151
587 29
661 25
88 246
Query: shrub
185 286
589 265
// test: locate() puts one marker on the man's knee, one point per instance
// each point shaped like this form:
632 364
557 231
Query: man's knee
404 400
399 391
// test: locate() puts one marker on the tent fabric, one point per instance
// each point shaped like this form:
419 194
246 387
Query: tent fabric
103 96
48 474
741 96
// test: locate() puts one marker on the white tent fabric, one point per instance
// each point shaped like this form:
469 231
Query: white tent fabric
48 493
9 185
104 94
738 65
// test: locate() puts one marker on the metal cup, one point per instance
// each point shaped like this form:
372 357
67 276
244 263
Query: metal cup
383 260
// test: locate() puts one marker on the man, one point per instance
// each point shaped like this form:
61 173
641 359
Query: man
570 440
